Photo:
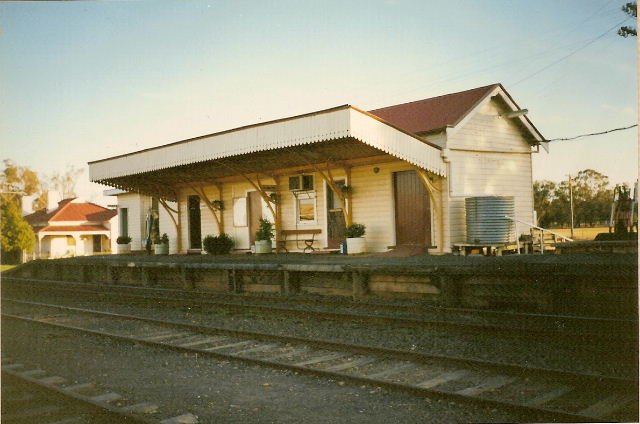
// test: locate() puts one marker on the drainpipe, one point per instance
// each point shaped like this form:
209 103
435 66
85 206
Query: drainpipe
445 191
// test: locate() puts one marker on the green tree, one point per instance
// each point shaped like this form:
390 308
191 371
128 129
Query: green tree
630 9
16 234
560 212
591 197
543 197
18 180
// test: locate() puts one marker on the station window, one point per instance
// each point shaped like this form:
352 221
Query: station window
306 209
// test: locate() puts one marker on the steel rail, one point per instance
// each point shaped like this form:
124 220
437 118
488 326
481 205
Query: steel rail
524 410
382 319
568 376
70 396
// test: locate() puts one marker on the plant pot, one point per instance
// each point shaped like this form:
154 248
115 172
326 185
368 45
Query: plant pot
124 248
356 245
161 249
263 246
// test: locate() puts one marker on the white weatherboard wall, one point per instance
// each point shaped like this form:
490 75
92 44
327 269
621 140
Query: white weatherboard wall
137 207
488 156
113 226
165 225
374 204
372 197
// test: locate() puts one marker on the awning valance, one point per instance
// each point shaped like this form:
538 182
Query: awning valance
331 125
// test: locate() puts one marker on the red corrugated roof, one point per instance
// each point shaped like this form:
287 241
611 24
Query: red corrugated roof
69 211
80 212
102 215
434 113
39 216
68 228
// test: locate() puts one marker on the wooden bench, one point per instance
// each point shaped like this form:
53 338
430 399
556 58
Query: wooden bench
308 242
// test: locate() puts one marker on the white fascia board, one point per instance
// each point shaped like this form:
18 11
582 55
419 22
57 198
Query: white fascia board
114 192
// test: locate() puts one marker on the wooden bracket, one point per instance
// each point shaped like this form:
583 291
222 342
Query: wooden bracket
435 196
174 214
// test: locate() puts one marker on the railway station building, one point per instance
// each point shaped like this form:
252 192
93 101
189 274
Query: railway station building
403 171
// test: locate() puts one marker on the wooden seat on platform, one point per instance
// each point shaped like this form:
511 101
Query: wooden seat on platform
308 241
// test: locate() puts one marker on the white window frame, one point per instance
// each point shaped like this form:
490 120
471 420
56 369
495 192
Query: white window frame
306 195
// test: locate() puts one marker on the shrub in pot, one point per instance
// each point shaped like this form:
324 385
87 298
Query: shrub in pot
162 245
264 236
123 244
217 245
355 241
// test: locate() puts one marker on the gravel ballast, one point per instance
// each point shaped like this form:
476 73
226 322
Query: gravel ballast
221 391
606 360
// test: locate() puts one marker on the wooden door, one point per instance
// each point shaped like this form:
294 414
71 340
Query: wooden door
195 232
254 207
412 210
335 218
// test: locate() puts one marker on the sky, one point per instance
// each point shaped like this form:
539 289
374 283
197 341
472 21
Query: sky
81 81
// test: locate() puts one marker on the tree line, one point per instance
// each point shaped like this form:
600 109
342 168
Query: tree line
592 199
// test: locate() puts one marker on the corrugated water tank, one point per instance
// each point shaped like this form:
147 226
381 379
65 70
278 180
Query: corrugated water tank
486 222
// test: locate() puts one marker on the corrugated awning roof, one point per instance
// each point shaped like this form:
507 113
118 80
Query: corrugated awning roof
338 133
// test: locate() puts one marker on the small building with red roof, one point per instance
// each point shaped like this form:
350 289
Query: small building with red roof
404 171
73 228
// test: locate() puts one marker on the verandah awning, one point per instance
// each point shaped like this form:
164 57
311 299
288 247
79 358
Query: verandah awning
341 129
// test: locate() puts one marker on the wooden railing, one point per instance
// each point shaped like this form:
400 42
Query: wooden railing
533 228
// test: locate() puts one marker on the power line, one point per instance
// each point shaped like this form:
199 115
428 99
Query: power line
592 134
593 40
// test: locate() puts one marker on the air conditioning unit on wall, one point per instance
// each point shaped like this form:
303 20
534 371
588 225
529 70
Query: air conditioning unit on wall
301 183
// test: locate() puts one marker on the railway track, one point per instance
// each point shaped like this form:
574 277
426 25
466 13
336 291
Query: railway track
577 329
529 392
31 395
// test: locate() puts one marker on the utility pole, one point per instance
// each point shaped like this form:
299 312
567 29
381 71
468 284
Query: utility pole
571 203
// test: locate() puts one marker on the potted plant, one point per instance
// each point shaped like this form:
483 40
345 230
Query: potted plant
217 245
162 245
355 241
264 236
123 244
